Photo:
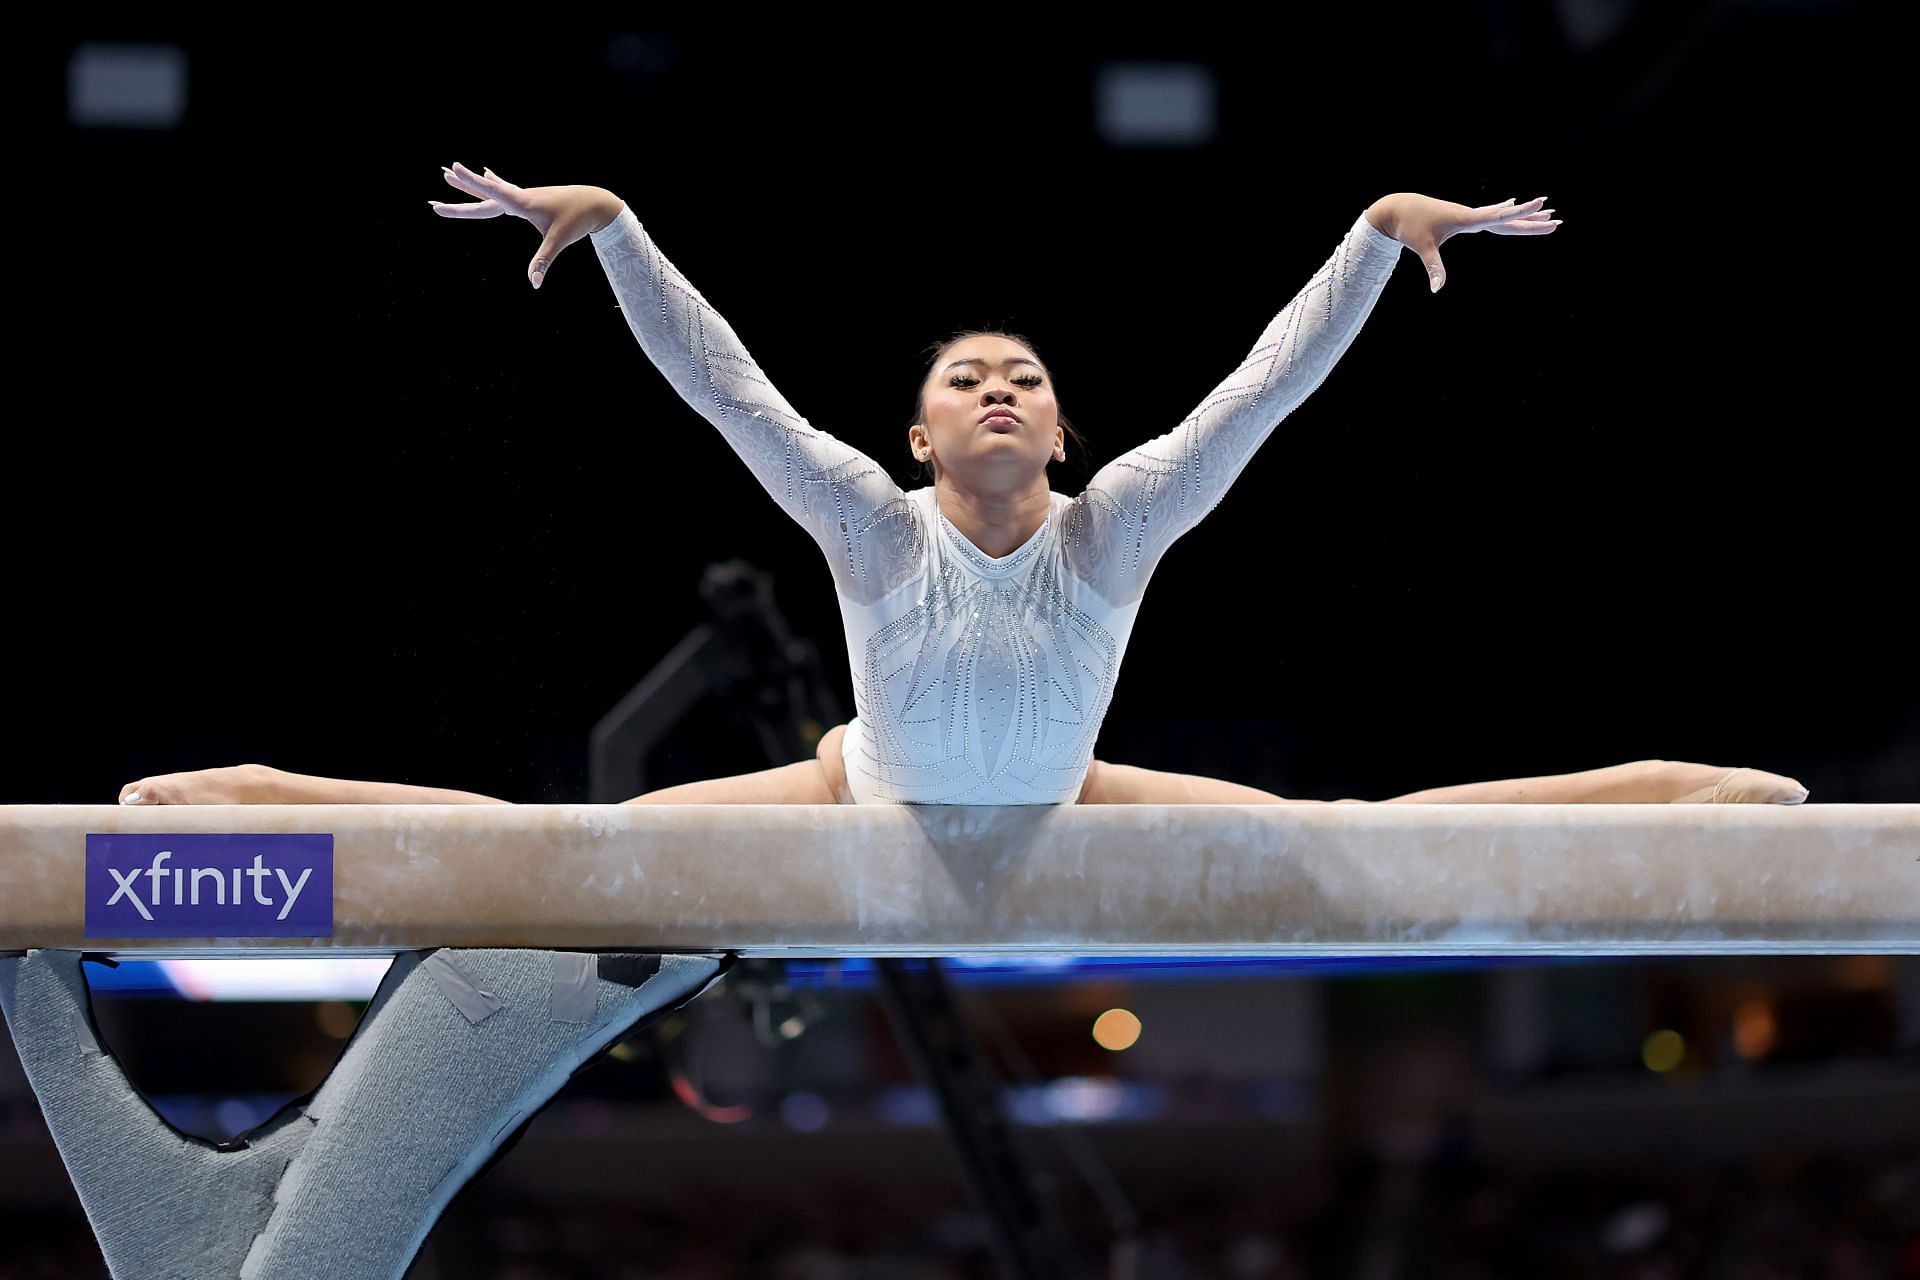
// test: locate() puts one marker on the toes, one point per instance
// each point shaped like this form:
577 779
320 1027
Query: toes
1755 786
1743 786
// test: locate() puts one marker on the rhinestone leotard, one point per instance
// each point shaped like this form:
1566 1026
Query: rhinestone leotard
981 679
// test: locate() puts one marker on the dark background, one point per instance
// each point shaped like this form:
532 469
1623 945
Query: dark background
309 476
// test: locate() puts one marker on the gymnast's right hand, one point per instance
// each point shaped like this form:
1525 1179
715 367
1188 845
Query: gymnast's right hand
560 214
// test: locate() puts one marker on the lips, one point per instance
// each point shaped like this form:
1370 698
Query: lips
1001 415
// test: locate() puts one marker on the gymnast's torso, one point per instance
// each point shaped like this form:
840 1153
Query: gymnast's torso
981 680
984 680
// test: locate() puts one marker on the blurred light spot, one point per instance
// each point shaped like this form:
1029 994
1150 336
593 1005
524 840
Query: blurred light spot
623 1052
286 978
127 86
1588 24
1116 1029
907 1106
1082 1098
1634 1227
806 1112
337 1018
234 1116
1663 1050
1754 1032
1164 104
1864 973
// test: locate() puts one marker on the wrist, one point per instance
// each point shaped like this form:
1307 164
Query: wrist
1382 217
606 207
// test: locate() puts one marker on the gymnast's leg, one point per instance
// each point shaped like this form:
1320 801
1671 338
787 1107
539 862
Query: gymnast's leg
1129 784
1636 782
801 783
821 780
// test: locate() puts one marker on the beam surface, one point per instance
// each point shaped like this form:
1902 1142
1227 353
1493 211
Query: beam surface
921 880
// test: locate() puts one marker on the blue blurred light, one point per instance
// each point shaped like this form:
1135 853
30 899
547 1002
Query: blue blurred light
857 973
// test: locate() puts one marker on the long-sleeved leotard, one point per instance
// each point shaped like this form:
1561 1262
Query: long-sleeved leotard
976 679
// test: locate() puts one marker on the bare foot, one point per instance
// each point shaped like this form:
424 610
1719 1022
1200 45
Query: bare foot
235 784
1713 784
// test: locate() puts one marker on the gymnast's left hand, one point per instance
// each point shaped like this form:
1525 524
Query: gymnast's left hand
1423 224
560 214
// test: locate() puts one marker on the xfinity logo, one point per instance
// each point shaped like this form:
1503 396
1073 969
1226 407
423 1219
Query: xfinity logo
154 872
206 886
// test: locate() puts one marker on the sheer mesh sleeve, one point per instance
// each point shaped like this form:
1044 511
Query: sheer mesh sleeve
1136 505
868 529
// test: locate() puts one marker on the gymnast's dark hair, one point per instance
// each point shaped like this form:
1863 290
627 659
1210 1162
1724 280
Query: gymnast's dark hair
924 470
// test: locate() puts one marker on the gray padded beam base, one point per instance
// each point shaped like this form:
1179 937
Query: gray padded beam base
456 1052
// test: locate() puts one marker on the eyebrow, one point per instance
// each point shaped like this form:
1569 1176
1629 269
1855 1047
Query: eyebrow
1010 360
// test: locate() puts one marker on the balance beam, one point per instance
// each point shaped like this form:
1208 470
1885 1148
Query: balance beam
914 880
636 910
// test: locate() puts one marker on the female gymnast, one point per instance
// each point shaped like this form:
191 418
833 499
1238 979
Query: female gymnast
985 614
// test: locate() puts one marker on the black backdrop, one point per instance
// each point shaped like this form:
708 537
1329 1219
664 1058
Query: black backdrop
298 472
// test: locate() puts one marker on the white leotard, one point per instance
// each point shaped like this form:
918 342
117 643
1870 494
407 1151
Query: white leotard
983 680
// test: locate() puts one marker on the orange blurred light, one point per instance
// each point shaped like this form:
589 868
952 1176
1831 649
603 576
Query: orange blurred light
1754 1031
1116 1029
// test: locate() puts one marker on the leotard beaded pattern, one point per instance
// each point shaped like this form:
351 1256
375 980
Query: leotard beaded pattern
982 679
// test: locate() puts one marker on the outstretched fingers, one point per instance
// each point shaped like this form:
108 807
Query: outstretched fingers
1487 215
481 209
497 195
1510 219
462 178
1534 224
488 185
481 184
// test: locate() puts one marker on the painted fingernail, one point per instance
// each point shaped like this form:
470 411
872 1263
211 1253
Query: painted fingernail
132 797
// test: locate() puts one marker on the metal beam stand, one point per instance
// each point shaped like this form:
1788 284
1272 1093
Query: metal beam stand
1029 1238
455 1055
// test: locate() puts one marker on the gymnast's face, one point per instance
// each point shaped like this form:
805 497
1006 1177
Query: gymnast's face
978 377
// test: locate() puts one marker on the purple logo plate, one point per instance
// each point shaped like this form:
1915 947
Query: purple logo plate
209 886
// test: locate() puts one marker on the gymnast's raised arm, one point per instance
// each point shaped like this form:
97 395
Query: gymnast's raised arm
839 495
1138 504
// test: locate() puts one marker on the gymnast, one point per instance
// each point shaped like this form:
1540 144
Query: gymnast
985 614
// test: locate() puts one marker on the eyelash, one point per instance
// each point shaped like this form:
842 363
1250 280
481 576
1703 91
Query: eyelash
1029 379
